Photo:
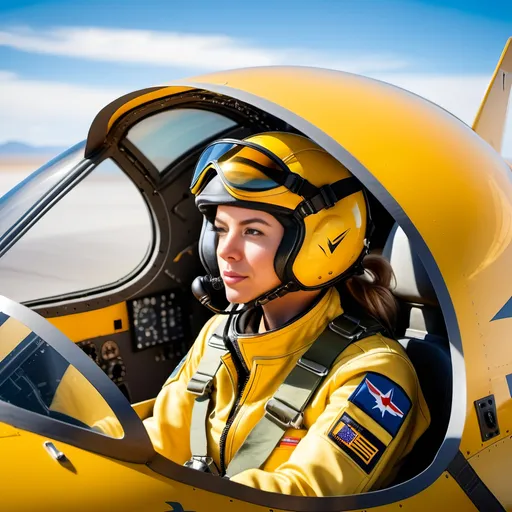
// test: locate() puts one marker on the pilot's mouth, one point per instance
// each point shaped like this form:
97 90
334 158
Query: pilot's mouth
231 278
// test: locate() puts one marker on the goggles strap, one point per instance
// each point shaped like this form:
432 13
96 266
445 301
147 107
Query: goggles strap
300 186
328 196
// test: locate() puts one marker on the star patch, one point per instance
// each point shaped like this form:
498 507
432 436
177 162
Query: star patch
357 442
383 400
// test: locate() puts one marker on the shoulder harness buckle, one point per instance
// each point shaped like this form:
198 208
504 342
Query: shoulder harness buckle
200 385
354 329
282 414
313 367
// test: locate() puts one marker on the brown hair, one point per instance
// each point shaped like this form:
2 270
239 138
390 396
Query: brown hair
372 290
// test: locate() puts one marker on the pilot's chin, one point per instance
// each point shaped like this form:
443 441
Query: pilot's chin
238 296
234 296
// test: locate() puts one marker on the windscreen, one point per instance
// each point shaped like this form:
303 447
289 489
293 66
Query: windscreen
164 137
23 197
36 377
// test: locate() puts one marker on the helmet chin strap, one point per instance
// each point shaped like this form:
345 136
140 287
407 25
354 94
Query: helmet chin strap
205 288
209 290
276 293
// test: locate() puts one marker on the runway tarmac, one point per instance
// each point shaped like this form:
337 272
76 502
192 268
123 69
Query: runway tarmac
96 235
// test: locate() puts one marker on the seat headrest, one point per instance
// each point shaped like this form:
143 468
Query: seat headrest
412 281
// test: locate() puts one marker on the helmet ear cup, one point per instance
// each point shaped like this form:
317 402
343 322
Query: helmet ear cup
333 242
290 244
208 248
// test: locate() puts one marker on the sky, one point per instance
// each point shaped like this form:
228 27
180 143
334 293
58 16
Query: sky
61 62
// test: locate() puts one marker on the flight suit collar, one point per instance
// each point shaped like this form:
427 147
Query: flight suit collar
292 337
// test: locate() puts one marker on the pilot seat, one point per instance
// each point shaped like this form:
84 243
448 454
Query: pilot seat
422 332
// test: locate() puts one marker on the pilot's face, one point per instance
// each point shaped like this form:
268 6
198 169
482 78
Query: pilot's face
248 241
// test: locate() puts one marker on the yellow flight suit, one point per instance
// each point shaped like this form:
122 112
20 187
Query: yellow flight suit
348 442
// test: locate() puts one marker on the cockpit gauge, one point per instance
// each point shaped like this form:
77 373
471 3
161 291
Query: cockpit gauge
146 319
109 350
90 349
116 370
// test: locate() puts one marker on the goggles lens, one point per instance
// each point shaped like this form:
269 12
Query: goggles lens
240 166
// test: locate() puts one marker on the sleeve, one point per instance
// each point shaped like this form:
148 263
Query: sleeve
353 443
169 427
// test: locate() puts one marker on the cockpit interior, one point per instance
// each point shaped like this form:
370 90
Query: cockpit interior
144 255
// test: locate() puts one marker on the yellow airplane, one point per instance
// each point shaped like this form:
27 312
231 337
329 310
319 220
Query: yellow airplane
80 350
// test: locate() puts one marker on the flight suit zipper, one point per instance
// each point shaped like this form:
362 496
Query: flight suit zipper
243 375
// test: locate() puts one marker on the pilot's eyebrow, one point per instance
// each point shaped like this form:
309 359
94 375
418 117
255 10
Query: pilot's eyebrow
256 219
246 221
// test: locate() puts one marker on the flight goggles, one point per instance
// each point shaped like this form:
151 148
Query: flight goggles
246 167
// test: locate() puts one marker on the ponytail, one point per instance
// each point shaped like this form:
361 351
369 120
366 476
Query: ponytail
372 290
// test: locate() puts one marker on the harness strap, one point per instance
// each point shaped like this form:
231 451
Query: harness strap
201 384
286 408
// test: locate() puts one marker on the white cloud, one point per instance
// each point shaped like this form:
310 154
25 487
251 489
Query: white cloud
6 75
53 113
184 50
48 113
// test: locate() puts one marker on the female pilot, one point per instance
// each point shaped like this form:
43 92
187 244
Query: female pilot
282 391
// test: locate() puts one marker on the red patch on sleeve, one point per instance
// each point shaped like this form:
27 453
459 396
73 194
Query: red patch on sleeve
289 441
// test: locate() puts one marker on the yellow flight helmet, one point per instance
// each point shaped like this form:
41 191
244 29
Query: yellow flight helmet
322 207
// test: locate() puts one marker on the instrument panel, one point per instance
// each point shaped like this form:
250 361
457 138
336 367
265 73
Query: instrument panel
139 361
157 320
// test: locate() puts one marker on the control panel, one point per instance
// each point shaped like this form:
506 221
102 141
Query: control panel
107 355
157 320
139 361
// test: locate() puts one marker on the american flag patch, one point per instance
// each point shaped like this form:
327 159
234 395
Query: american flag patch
289 441
357 442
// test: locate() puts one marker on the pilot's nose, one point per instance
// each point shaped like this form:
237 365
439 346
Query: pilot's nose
230 247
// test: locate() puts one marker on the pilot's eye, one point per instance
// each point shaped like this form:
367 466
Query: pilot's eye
218 229
253 232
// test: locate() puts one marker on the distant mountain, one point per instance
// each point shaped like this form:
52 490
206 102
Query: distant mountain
20 149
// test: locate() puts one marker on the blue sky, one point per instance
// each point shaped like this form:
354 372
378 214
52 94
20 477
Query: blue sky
60 62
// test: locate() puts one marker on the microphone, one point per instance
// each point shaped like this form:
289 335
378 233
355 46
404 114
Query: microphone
209 291
217 283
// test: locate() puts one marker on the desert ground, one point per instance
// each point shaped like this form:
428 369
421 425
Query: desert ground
96 235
